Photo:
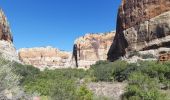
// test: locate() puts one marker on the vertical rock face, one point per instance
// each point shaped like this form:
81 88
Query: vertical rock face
93 47
5 32
7 49
45 57
141 25
88 49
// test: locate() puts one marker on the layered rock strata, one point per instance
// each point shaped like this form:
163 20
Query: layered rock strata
92 48
141 25
45 57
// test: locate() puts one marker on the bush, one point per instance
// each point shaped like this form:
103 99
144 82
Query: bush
9 82
156 70
146 56
109 71
103 72
145 78
134 53
84 94
119 69
59 84
142 87
27 72
63 89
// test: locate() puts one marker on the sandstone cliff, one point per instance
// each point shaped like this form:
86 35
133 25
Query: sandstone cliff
45 57
93 47
7 49
141 25
5 32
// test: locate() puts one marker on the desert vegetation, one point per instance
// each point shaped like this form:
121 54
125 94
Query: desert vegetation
146 81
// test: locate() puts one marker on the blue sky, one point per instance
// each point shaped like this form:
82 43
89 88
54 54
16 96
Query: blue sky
57 23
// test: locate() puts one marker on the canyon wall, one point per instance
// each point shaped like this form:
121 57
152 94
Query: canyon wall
5 32
45 57
7 49
91 48
141 25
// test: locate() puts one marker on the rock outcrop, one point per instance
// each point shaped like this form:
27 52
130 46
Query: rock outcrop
7 49
5 32
141 25
45 57
109 90
92 48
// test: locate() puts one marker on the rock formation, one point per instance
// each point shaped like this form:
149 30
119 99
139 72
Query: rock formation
5 32
7 49
106 89
45 57
89 49
141 25
92 48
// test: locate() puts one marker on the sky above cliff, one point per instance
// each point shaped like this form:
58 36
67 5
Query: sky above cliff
57 23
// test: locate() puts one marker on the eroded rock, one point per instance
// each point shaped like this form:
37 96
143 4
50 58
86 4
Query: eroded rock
5 32
45 57
88 50
141 25
93 47
113 91
7 49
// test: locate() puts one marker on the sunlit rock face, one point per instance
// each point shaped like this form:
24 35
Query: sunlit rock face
90 48
45 57
5 32
7 49
141 25
93 47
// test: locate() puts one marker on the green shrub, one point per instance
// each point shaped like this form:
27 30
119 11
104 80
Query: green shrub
153 70
103 72
10 81
102 62
109 71
119 70
146 56
145 78
134 53
142 87
59 84
63 89
84 94
27 72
